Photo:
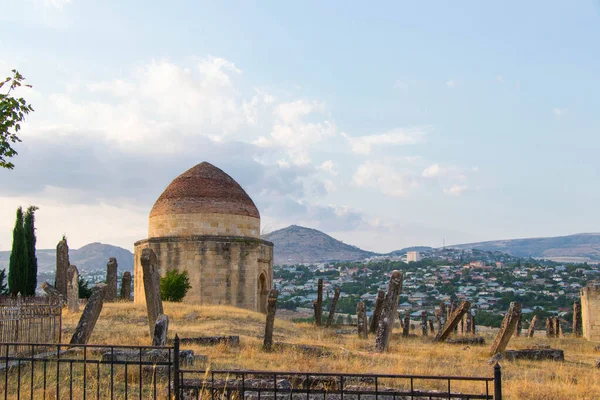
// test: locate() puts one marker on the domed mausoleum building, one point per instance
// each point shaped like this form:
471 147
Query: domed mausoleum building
206 224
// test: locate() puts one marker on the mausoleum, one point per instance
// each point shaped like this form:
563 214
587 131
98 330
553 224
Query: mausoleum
206 224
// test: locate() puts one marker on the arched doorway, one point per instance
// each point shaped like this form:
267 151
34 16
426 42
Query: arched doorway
263 291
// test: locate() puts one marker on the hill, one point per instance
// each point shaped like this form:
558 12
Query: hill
92 256
572 248
296 244
420 249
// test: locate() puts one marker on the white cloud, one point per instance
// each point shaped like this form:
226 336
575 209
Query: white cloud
397 137
329 167
439 171
456 190
384 178
451 83
56 3
559 112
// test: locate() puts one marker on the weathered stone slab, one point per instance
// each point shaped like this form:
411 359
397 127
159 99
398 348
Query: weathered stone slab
151 272
577 324
467 340
519 327
111 280
534 354
161 331
331 316
550 327
126 286
73 288
424 327
377 311
270 322
62 265
52 292
531 329
90 315
406 324
319 304
186 357
431 329
388 312
361 320
311 350
453 321
233 341
557 327
507 328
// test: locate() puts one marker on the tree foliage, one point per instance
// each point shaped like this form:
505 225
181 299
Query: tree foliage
84 290
3 286
174 285
12 113
30 239
17 267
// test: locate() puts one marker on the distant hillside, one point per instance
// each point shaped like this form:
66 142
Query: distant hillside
90 257
296 244
420 249
573 248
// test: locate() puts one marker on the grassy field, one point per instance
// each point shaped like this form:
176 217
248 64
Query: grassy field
576 378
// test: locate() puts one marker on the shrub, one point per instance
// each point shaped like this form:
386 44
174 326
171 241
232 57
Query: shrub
174 285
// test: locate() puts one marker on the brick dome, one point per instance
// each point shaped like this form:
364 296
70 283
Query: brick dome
204 189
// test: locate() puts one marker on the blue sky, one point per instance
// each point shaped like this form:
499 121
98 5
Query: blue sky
386 125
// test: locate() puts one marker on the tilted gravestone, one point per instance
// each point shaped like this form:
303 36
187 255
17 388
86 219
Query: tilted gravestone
388 312
519 326
52 292
161 330
453 321
377 311
126 286
90 315
336 296
62 265
270 322
73 288
111 279
151 272
531 329
361 320
507 329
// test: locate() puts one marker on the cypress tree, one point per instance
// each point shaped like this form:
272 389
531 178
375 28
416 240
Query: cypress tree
29 227
17 267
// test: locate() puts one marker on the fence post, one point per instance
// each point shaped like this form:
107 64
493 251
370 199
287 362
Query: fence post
176 367
497 382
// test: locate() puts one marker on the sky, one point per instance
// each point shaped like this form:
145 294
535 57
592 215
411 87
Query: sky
383 124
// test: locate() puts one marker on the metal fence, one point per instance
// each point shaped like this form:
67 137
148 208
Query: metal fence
230 384
30 320
64 371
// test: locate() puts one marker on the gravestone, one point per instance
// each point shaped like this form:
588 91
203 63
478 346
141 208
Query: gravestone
151 272
319 305
406 324
557 327
519 326
161 330
62 265
336 296
73 288
126 286
577 325
424 323
531 329
468 322
549 327
388 312
52 292
431 329
270 322
111 279
453 321
507 329
90 315
377 311
361 320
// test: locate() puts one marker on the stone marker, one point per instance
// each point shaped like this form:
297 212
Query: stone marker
151 279
473 326
126 286
534 354
377 311
232 341
452 309
73 288
519 326
557 327
90 315
443 314
270 322
319 305
466 340
453 321
361 320
507 329
336 296
431 327
549 327
111 280
161 330
406 324
51 291
462 325
577 325
531 329
424 323
62 265
400 320
468 323
388 312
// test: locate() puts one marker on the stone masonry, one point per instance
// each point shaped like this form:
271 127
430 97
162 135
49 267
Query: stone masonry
590 311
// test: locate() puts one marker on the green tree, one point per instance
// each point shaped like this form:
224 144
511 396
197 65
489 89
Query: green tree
17 267
84 291
29 232
3 287
12 113
174 285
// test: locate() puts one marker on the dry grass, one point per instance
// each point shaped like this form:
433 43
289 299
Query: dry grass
576 378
